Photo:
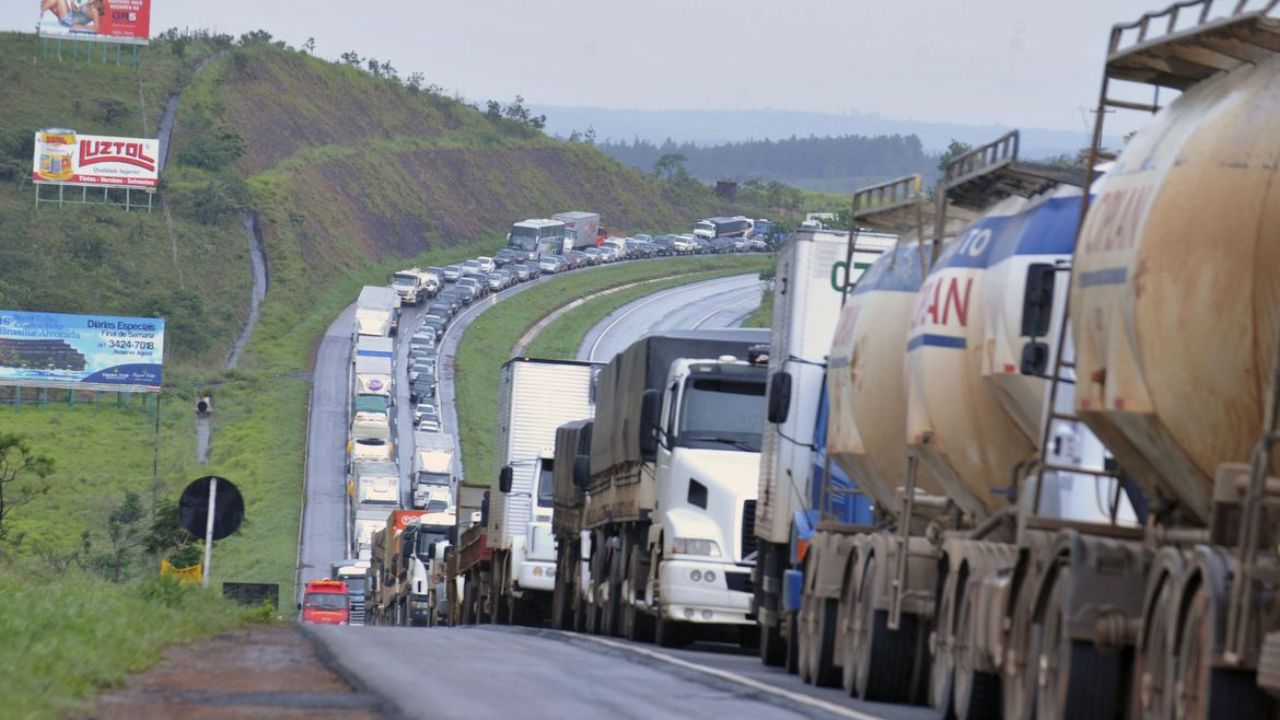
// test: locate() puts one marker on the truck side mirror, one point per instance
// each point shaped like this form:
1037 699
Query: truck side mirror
484 509
452 534
779 397
1037 300
505 477
1035 358
582 471
650 421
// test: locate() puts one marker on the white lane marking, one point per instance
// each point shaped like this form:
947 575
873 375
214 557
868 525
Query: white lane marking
724 307
734 678
591 356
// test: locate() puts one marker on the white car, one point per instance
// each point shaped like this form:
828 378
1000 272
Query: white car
487 264
429 425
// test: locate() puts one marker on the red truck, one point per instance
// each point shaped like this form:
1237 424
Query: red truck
325 603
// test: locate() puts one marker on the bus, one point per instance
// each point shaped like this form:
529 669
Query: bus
719 227
537 237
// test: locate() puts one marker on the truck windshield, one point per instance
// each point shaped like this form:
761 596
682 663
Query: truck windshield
722 413
326 601
355 584
546 485
426 540
402 280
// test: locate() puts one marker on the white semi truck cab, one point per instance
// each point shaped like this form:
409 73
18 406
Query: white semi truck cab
529 487
707 464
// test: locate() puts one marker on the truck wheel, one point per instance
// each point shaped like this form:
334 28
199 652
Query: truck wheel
886 663
670 633
1204 691
773 651
793 644
1075 680
976 693
849 629
822 665
804 622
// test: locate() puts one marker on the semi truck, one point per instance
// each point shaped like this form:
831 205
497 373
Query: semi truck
671 480
537 237
388 580
722 227
535 397
372 366
415 285
353 572
377 311
434 470
813 269
581 229
573 546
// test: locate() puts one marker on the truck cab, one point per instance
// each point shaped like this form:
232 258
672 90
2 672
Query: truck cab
528 487
325 602
707 460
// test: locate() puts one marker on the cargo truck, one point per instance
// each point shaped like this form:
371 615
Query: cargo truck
537 237
722 227
434 470
377 312
573 546
534 398
374 490
813 269
414 285
470 563
324 602
389 577
581 229
353 572
372 366
671 480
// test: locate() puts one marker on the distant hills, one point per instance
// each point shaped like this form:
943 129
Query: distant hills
716 127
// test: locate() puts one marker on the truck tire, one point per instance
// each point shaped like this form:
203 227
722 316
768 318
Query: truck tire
822 667
773 651
1076 680
670 633
1204 691
793 644
885 665
976 694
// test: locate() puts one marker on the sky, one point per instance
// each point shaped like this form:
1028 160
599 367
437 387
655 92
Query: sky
1030 63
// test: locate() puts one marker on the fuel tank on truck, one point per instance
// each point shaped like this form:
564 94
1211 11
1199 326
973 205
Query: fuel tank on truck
865 378
1175 295
957 420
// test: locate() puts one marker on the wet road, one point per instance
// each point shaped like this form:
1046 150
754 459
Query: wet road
719 303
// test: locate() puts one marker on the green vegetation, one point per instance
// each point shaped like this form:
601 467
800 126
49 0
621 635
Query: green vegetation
762 316
68 634
489 340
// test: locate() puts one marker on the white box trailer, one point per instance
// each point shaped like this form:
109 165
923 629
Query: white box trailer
376 310
434 468
372 365
534 398
580 228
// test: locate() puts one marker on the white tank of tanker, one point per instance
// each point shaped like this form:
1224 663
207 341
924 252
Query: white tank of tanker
1176 286
866 382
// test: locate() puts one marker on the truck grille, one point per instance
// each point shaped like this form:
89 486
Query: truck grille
748 544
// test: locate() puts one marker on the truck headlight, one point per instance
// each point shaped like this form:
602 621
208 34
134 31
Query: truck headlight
695 546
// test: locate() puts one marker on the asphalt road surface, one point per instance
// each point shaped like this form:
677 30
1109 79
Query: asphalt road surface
718 303
497 672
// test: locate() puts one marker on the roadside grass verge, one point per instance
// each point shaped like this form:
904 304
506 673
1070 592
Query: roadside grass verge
762 316
66 636
488 341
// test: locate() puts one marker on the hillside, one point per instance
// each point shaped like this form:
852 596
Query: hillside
349 176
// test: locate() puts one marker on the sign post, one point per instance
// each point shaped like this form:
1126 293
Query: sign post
208 530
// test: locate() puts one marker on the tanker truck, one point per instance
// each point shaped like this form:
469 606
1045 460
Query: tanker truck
671 477
812 272
1170 358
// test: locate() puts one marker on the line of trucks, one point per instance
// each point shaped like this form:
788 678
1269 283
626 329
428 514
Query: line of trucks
1011 454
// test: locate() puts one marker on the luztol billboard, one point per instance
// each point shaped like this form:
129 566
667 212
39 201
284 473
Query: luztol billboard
119 21
64 158
81 352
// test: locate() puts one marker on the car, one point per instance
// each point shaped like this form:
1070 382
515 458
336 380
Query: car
437 326
472 284
549 264
642 237
451 297
452 273
471 267
496 283
422 391
432 319
486 263
507 256
443 309
721 245
597 255
425 410
421 348
521 272
757 245
739 244
577 259
535 271
664 245
423 339
429 425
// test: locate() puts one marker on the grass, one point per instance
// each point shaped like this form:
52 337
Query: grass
762 316
67 636
488 342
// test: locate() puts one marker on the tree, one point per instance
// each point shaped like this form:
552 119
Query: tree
953 151
19 466
111 111
352 58
415 80
124 534
493 110
669 166
309 46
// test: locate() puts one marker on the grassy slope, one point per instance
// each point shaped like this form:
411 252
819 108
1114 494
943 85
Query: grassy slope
762 316
65 637
488 342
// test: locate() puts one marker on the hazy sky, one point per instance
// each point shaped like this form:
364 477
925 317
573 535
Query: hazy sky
1015 62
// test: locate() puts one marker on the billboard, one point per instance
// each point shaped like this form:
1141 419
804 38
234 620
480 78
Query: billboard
117 21
62 157
81 352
